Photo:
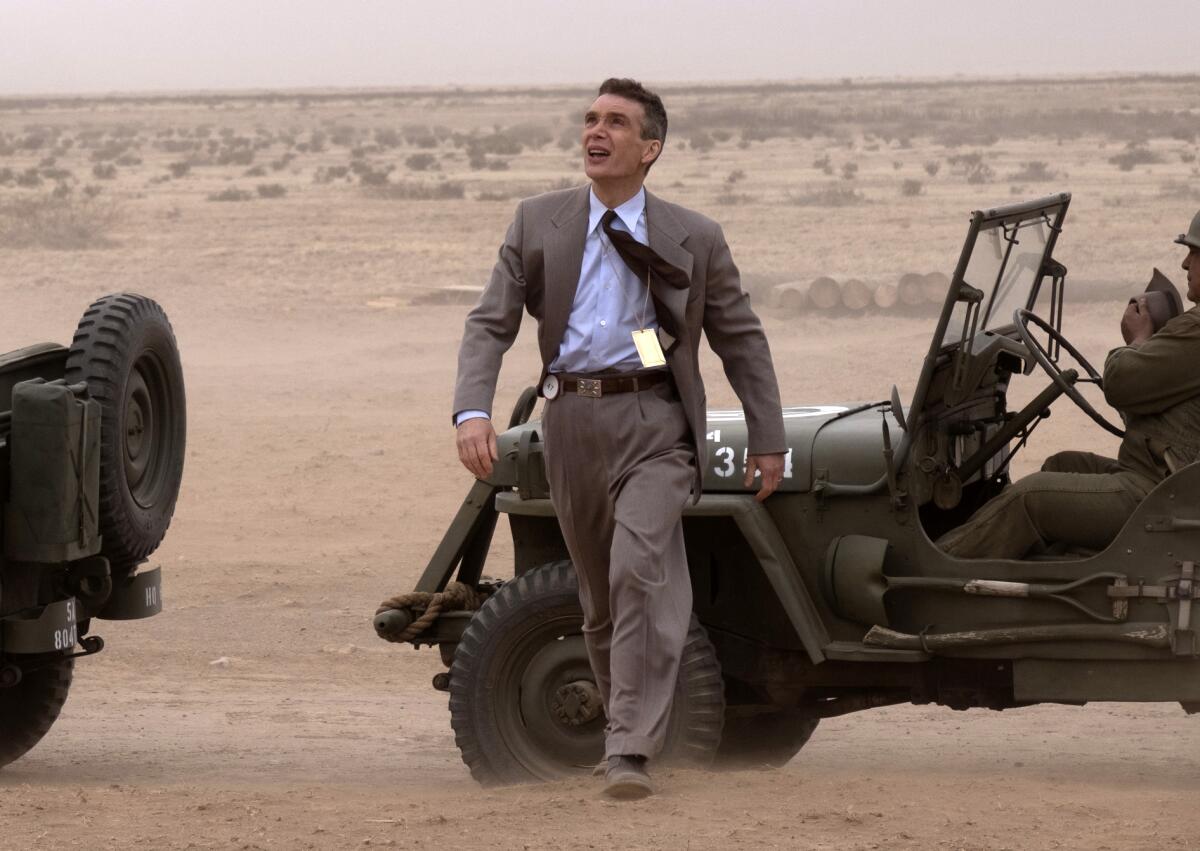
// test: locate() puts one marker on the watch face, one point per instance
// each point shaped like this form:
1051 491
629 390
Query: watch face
550 387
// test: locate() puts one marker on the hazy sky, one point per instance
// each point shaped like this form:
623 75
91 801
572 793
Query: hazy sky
53 46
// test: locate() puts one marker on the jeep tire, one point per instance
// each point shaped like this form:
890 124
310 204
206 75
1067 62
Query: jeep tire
523 702
28 709
767 738
124 349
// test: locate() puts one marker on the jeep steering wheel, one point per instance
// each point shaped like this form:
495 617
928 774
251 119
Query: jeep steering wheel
1021 319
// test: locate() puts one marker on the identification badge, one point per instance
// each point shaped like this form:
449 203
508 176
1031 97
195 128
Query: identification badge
648 348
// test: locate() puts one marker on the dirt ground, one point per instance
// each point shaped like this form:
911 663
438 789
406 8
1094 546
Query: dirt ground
260 710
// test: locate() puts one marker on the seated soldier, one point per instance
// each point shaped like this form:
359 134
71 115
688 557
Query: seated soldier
1081 500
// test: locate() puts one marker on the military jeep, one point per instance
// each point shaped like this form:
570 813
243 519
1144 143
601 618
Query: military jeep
91 457
831 597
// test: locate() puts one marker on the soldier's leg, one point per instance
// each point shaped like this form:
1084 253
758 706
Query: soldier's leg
651 592
1080 462
1071 508
580 494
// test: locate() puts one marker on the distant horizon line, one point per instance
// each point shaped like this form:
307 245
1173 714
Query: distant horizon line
557 88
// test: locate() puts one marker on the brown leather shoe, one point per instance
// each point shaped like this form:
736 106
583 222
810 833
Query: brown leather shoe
626 779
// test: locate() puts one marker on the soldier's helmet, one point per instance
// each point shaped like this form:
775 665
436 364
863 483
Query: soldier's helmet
1192 238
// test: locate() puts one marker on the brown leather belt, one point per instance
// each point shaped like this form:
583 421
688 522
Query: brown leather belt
603 385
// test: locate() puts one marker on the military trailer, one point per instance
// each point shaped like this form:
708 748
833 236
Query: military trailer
91 456
831 597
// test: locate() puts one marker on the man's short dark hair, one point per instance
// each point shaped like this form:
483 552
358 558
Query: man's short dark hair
655 124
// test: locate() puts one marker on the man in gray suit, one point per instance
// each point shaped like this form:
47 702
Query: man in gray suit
621 284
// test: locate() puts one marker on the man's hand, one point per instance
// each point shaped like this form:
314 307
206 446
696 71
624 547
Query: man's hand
1136 324
771 467
477 446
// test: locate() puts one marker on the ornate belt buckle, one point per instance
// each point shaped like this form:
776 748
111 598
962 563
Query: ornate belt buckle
589 387
550 387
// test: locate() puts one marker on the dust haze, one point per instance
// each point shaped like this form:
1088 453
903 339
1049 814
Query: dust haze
316 252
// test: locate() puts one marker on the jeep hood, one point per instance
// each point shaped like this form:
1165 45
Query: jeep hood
840 443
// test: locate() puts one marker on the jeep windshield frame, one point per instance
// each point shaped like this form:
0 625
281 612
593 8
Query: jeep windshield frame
1005 257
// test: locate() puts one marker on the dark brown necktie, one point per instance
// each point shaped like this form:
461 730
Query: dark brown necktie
642 259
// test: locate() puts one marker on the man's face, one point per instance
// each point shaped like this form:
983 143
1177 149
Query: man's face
1191 264
613 147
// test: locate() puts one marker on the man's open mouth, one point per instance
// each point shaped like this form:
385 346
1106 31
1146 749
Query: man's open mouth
597 154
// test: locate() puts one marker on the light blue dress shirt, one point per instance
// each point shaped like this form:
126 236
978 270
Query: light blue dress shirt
610 302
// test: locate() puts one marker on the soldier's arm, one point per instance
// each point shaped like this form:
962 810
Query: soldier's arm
736 335
1158 373
492 325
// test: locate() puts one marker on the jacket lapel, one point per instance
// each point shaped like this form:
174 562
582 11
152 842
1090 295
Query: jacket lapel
562 248
666 238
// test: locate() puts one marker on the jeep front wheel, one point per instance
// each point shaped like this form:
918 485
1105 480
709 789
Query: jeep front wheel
524 704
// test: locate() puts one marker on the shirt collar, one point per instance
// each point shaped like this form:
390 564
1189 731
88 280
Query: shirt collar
629 213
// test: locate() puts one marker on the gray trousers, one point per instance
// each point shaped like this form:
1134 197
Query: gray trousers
1078 499
620 470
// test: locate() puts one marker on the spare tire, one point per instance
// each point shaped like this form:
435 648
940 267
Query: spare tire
124 349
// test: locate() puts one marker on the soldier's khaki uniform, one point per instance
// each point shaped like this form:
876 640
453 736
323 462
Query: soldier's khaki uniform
1082 500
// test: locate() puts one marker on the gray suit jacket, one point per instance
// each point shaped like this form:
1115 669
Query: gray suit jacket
538 270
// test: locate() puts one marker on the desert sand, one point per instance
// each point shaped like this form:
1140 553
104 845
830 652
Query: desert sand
260 710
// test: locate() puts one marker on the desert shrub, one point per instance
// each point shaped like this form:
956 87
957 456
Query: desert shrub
932 167
728 198
179 169
65 222
413 191
104 171
735 176
495 143
421 162
111 151
283 162
722 135
972 167
497 164
230 194
256 171
529 134
57 174
343 136
235 156
849 171
1034 172
7 176
980 173
1186 157
828 196
29 179
824 164
1179 190
387 137
177 146
128 160
569 137
911 188
1135 154
369 174
271 190
701 141
328 174
34 141
897 165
